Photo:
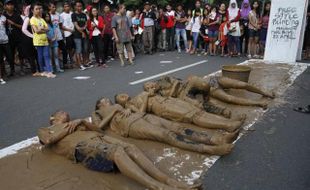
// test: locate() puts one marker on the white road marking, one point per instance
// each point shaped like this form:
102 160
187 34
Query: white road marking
81 77
165 62
167 73
138 72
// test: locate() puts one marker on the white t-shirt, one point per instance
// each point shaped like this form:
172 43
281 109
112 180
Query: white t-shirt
67 23
3 36
196 24
56 20
96 32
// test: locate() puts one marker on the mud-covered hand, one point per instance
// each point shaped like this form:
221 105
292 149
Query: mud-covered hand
72 126
126 113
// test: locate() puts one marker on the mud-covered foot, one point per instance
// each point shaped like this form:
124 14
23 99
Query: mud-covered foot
264 105
271 95
241 118
226 138
231 137
227 113
179 185
221 150
234 126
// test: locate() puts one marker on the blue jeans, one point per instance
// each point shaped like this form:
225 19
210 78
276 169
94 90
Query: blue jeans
56 57
179 33
195 39
44 58
232 42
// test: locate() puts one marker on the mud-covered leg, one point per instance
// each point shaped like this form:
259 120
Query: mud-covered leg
213 121
145 163
130 169
236 84
211 108
223 96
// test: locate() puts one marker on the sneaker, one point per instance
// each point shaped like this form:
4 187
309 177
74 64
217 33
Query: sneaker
50 75
36 74
179 51
250 56
82 68
60 71
88 66
255 56
2 81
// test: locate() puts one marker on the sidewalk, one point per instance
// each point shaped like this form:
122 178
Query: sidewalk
275 156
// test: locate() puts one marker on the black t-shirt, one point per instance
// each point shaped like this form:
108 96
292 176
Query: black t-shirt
81 20
204 29
13 31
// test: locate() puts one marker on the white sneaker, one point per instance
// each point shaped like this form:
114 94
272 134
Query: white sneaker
82 68
2 81
250 56
179 51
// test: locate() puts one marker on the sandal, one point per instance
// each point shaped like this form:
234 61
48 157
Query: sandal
305 109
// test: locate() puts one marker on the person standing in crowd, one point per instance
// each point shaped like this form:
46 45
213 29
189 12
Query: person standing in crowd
198 7
14 31
214 21
53 43
137 31
264 28
108 34
306 45
5 49
223 31
188 29
122 34
148 18
79 20
170 27
254 29
180 28
28 51
203 43
68 29
162 19
222 13
244 26
58 22
208 7
95 26
204 34
40 41
234 34
196 24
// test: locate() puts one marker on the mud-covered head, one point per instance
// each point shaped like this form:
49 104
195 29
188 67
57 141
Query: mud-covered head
151 87
122 99
103 102
165 82
59 117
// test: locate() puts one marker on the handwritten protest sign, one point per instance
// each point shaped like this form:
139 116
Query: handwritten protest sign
285 30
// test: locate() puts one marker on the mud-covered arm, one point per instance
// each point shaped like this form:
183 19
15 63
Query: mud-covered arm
174 88
145 101
106 120
55 133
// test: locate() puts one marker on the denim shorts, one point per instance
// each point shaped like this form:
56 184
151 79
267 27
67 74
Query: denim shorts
213 34
253 33
81 45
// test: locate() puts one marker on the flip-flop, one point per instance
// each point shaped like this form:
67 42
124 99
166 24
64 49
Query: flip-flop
305 109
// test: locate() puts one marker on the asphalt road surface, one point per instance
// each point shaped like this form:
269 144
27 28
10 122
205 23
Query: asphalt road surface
274 156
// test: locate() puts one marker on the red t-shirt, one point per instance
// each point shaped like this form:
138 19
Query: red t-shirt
170 15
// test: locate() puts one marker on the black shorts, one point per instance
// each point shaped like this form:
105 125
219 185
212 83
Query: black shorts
188 35
70 43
